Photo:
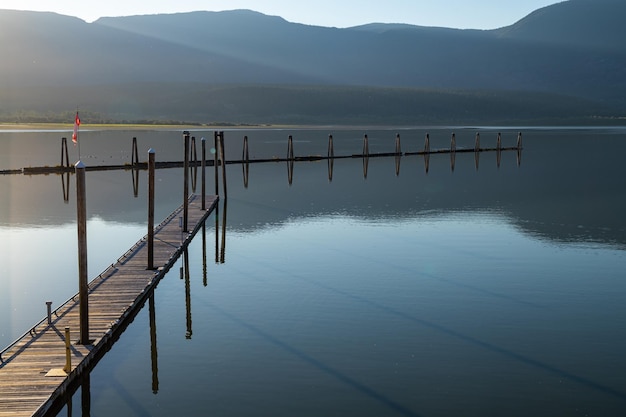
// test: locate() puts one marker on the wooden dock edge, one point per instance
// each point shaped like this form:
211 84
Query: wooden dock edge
102 345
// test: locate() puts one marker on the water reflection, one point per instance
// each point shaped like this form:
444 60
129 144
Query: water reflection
65 186
185 267
154 359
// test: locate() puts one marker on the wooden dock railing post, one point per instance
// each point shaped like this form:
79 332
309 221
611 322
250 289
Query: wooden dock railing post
83 289
186 181
151 169
203 165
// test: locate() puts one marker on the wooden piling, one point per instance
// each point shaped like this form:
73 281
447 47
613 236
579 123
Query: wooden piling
453 143
83 290
499 142
245 154
223 159
203 167
290 148
134 159
151 190
366 146
519 141
215 162
427 144
194 155
477 143
186 181
398 147
331 148
65 160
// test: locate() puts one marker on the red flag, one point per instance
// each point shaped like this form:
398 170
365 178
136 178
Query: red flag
76 124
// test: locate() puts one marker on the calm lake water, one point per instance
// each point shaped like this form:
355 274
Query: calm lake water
415 289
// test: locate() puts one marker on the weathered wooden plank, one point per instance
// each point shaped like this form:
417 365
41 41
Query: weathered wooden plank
114 297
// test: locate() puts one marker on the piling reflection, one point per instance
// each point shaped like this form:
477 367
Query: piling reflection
246 173
476 159
65 186
189 331
153 345
366 161
290 164
204 263
331 163
135 174
223 244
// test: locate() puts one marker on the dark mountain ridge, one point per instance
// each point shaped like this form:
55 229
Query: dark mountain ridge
557 51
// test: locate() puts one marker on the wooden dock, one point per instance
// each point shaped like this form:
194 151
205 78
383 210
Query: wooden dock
28 386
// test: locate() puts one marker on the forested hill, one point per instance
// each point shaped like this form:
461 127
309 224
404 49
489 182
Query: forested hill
562 62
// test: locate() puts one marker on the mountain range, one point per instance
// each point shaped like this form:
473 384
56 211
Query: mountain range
564 63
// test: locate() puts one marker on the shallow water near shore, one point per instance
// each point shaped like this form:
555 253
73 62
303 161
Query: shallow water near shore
452 287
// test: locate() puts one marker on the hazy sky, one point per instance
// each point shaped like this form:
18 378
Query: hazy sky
474 14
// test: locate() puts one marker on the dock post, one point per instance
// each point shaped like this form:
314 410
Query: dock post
499 142
186 181
135 154
203 165
215 163
65 160
519 141
245 154
366 146
477 143
68 352
453 143
331 150
223 158
290 148
151 169
398 148
49 311
83 289
194 154
427 144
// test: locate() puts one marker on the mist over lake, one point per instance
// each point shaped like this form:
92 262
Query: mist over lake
448 286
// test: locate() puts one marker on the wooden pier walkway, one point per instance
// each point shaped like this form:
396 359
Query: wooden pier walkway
27 387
